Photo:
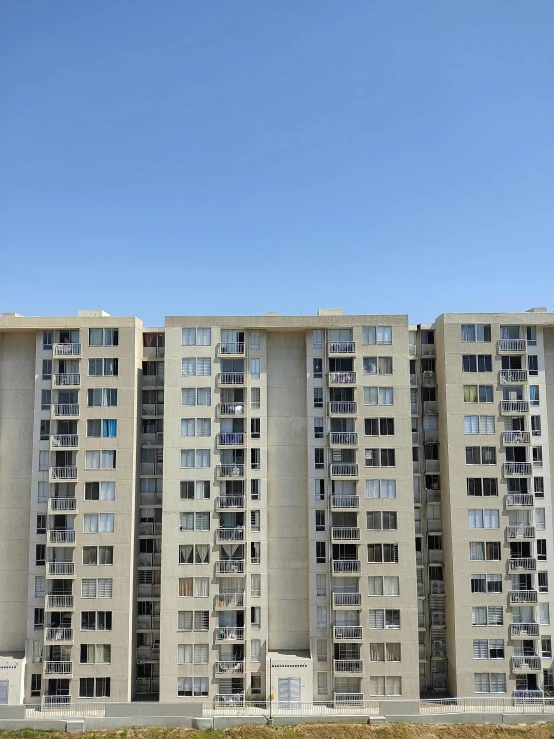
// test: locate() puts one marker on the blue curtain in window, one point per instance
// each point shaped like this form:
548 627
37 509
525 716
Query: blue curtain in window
109 427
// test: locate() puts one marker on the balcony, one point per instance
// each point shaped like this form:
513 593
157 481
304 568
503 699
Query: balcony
420 590
224 471
347 633
513 376
58 634
526 664
233 379
151 468
230 601
437 587
512 346
61 569
234 534
517 597
415 437
67 350
148 654
345 502
155 438
342 378
430 407
63 473
149 499
66 410
343 438
419 559
343 408
150 528
59 602
152 380
520 532
230 409
412 350
517 469
514 407
338 469
229 567
146 623
434 525
524 631
347 600
345 533
528 696
433 495
428 350
229 633
231 349
519 500
429 378
230 502
436 557
341 347
58 668
348 665
347 566
72 379
430 436
62 504
438 618
236 439
432 466
348 699
61 536
149 590
152 409
516 437
522 563
64 441
55 701
229 668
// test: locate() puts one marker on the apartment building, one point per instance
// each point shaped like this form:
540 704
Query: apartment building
330 507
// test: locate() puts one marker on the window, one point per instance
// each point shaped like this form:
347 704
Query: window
41 523
318 368
188 336
40 553
36 684
47 340
320 557
255 490
393 652
317 339
386 396
319 459
40 585
380 489
255 617
541 550
255 585
478 487
391 585
369 335
111 367
543 582
255 463
321 617
544 614
255 369
488 649
487 519
538 487
546 646
535 425
254 339
321 584
44 429
319 490
39 618
320 520
533 365
43 460
100 491
45 400
255 395
318 428
254 428
318 397
534 395
537 456
254 520
42 491
540 519
188 396
46 369
532 335
479 332
204 396
480 551
384 334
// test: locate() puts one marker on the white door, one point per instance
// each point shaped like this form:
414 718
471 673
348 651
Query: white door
289 692
3 692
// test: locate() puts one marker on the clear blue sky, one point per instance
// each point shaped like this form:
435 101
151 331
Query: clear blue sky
241 156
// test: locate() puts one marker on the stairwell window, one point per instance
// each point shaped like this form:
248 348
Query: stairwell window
255 369
534 395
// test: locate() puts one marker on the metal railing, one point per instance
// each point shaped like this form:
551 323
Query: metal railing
153 438
229 567
346 633
347 599
345 501
428 350
224 502
344 437
60 706
65 440
523 701
525 630
67 378
519 500
229 633
230 470
517 468
230 378
152 409
430 406
58 668
520 532
64 350
512 346
230 409
231 439
153 380
516 437
61 536
346 566
60 633
514 406
342 378
62 504
61 568
434 525
59 601
229 667
522 563
231 534
429 378
508 376
229 600
344 470
342 407
526 664
66 409
348 665
225 348
63 473
523 596
341 347
345 533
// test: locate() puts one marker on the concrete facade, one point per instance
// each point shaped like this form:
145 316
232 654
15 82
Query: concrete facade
361 504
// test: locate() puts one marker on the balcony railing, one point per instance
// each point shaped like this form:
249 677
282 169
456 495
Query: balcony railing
433 495
512 346
234 439
229 668
519 500
63 473
62 504
434 525
148 654
229 633
528 697
58 633
430 436
230 470
516 437
151 468
61 536
513 469
230 409
525 630
56 700
226 502
65 350
59 602
341 347
430 406
437 587
152 409
155 438
149 499
234 534
343 470
522 563
153 380
348 665
345 533
436 556
231 348
510 407
526 664
523 596
230 378
67 441
66 409
64 569
432 466
510 376
150 528
348 699
344 438
343 407
347 600
229 567
345 501
347 633
342 378
346 566
429 378
58 668
438 618
229 600
428 350
520 532
67 378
